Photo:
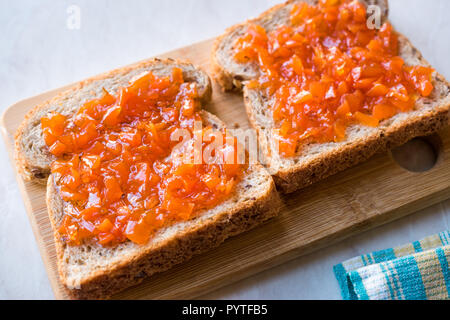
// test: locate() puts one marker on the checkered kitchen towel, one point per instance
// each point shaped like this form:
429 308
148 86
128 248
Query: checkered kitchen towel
415 271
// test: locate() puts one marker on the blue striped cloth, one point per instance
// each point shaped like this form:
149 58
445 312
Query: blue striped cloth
415 271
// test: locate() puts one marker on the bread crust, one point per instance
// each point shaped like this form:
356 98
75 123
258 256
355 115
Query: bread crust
297 176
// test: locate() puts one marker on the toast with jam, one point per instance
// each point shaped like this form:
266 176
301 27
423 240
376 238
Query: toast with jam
327 84
121 203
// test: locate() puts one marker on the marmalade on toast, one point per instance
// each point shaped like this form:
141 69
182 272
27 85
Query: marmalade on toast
326 70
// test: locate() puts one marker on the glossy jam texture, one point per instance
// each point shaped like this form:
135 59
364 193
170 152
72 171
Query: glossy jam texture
326 70
116 166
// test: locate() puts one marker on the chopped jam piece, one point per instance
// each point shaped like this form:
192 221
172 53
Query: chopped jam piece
326 70
121 171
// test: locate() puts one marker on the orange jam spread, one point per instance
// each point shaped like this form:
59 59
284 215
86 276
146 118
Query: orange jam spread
115 162
326 70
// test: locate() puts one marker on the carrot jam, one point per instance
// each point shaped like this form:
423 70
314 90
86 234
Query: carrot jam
116 165
326 70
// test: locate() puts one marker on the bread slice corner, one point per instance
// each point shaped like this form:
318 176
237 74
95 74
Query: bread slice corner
31 154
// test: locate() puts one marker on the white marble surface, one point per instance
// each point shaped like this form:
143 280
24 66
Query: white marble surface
38 52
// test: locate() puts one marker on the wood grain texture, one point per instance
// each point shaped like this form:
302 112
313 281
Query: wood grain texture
373 193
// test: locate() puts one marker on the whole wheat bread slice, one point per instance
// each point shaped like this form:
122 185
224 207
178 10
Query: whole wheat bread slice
91 271
317 161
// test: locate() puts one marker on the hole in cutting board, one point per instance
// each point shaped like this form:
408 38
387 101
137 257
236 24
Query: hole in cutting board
419 154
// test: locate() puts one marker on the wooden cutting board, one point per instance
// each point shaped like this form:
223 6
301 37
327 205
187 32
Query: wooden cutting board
371 194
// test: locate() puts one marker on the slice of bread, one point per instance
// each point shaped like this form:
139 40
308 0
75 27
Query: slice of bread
317 161
91 271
